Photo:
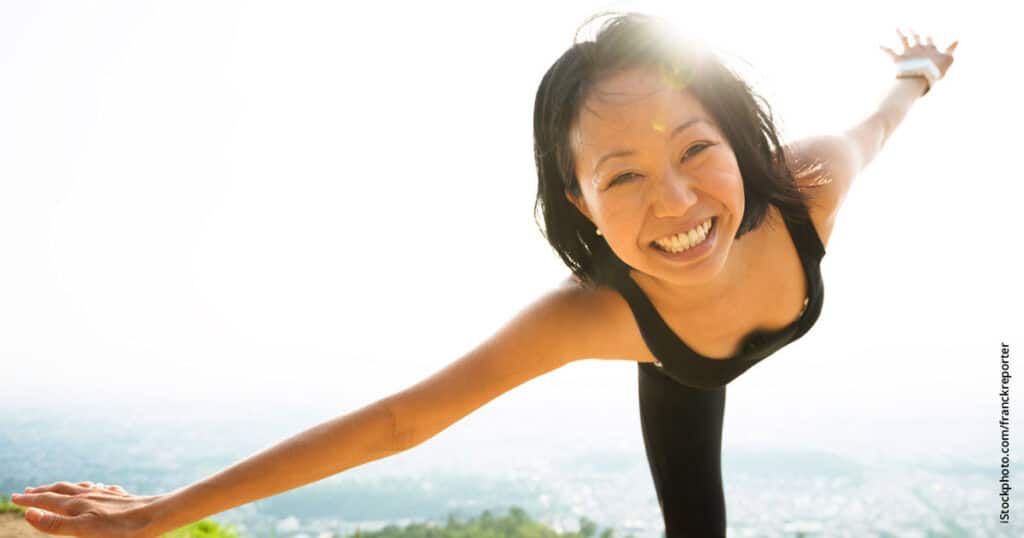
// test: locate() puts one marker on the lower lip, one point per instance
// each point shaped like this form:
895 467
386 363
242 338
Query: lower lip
696 252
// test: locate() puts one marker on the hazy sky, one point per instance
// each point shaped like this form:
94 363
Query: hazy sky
309 203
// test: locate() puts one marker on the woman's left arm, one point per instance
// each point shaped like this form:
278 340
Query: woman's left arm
840 157
832 160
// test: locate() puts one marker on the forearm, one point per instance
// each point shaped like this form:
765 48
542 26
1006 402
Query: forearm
896 103
324 450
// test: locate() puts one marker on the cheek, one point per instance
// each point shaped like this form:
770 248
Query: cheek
732 189
724 181
623 221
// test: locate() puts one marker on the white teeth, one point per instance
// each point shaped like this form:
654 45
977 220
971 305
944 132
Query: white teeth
683 241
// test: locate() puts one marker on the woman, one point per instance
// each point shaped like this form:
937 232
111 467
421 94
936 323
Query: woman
694 239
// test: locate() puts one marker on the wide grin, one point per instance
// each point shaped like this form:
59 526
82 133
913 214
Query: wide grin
683 241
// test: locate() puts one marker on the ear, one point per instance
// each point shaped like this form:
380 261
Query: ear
581 205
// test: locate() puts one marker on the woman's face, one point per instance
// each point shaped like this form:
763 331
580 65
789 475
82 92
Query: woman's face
652 163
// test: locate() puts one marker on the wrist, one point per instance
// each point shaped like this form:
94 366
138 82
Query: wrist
163 514
918 85
919 68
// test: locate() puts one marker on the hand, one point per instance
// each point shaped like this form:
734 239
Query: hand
88 510
923 50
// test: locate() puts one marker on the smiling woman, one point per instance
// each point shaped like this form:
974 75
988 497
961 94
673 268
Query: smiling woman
658 169
694 241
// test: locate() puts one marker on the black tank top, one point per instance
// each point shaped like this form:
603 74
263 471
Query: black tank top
688 367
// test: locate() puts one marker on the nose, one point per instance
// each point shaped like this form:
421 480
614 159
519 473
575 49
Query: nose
674 195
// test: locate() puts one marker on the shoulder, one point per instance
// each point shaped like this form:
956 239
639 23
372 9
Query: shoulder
826 165
819 184
604 325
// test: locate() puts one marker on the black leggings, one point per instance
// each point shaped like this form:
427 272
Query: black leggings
682 430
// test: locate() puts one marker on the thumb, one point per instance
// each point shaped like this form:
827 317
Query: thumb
45 521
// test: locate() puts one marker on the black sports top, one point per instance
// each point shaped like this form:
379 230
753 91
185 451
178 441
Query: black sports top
688 367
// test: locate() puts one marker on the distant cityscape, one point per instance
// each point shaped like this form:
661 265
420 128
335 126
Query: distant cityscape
769 493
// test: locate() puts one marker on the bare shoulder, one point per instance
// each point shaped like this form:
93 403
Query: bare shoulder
819 181
827 164
605 326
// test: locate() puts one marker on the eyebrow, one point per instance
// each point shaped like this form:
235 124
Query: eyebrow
625 152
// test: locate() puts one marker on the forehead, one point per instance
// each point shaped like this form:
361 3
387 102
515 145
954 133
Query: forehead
634 105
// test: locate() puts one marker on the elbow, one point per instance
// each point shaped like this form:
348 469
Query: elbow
402 434
885 123
887 128
866 139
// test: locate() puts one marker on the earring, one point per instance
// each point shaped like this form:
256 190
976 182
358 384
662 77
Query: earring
598 231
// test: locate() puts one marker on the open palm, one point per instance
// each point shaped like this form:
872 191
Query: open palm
915 48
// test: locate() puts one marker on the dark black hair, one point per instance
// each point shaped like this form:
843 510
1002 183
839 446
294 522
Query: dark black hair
629 40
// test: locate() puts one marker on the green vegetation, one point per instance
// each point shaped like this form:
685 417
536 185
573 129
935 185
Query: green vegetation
203 529
7 506
516 524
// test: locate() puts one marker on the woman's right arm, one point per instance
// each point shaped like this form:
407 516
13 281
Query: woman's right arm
546 335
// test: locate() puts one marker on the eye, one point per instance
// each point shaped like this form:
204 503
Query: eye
622 177
700 145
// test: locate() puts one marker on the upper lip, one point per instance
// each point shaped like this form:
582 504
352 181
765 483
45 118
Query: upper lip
684 228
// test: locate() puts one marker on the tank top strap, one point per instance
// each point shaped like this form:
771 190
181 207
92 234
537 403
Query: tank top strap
804 234
811 250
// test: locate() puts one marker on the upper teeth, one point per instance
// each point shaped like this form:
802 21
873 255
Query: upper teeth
685 240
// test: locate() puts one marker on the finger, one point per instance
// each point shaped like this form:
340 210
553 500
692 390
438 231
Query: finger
892 54
50 501
60 487
51 523
903 38
930 43
951 47
917 38
48 487
114 490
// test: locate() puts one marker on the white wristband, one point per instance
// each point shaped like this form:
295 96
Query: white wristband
919 67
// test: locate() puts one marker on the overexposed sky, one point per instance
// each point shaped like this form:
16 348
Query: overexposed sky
319 204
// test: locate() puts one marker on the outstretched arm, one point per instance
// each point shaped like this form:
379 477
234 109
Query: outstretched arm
536 341
324 450
834 159
829 162
540 339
